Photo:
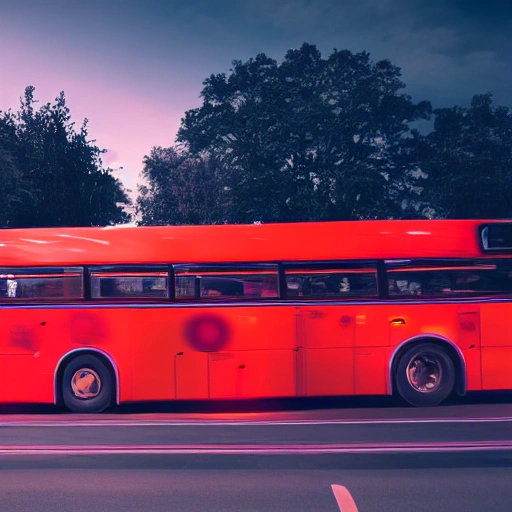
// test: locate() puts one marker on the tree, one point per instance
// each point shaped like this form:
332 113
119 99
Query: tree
307 138
468 160
60 180
12 191
182 189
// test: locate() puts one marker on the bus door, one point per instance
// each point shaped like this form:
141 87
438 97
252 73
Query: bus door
326 323
241 347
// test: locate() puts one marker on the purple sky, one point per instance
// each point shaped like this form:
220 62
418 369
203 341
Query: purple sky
134 68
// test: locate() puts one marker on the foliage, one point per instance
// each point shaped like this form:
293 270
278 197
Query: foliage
182 189
12 192
51 174
305 139
326 139
468 159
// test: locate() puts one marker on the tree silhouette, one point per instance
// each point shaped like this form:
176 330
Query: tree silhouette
468 160
55 172
182 189
308 138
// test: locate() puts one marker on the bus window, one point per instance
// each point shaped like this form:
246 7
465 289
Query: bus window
333 283
41 283
442 280
226 282
129 283
185 287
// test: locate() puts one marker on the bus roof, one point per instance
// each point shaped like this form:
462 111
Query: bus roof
386 239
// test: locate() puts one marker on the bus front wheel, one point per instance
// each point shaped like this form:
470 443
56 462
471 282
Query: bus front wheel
425 375
87 385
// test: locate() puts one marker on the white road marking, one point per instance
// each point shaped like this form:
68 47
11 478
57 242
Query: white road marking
242 423
344 498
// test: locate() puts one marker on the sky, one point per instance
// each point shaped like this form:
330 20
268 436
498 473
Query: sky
134 68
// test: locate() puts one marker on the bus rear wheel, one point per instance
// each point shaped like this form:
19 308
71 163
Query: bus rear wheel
87 385
425 375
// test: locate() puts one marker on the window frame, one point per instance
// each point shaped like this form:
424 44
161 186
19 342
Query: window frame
224 269
335 265
42 272
483 237
443 264
125 270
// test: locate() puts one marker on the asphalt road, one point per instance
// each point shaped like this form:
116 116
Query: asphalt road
375 490
390 459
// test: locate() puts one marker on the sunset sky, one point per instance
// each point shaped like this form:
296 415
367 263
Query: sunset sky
134 68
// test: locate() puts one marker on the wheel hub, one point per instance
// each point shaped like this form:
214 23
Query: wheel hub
86 384
424 373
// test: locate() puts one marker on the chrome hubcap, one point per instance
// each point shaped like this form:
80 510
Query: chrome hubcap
86 384
424 372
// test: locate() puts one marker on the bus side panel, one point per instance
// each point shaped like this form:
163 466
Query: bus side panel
252 374
496 319
496 326
106 330
23 357
251 351
34 340
423 319
326 326
496 368
258 327
469 342
329 371
372 341
21 380
371 371
372 324
457 323
191 374
149 338
325 357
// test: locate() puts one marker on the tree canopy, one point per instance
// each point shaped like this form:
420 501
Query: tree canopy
51 174
468 160
181 189
312 138
307 138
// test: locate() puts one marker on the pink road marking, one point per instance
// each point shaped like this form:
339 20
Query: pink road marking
344 498
148 422
255 449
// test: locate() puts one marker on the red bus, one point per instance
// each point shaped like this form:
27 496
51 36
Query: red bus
93 317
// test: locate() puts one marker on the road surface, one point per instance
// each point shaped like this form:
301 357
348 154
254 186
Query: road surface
385 459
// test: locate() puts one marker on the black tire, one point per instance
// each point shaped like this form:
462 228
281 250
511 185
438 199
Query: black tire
102 395
425 375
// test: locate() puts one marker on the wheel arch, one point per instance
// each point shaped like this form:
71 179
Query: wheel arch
451 348
72 354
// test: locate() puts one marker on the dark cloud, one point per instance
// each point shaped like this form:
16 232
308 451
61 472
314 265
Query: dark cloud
448 49
132 64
